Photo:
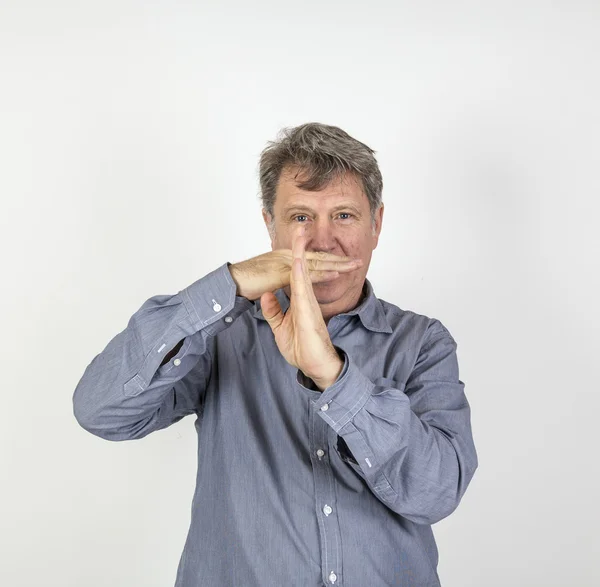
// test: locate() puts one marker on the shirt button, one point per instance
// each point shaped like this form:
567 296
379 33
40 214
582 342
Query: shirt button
320 453
327 510
332 577
217 307
324 407
229 319
177 362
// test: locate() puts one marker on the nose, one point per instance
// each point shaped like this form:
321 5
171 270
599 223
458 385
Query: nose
321 236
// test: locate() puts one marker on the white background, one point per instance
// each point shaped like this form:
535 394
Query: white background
129 142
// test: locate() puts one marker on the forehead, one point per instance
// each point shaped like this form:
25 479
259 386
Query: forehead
344 189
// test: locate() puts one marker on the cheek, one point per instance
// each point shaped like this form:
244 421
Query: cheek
356 245
276 241
281 238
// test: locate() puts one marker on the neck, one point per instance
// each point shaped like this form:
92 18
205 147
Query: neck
352 303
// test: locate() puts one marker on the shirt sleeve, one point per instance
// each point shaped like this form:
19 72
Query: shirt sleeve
125 393
412 444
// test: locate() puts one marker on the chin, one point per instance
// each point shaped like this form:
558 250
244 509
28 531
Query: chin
327 292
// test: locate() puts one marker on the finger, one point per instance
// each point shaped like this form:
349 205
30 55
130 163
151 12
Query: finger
301 290
342 266
319 276
303 300
298 252
299 244
300 282
298 276
271 310
322 256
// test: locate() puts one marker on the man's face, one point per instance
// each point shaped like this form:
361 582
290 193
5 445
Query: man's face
337 220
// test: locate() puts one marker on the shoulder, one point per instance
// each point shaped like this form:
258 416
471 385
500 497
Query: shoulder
420 328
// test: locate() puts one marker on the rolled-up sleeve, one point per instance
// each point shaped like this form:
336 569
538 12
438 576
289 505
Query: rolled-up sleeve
412 443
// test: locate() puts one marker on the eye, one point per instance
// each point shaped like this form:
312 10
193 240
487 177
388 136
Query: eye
348 214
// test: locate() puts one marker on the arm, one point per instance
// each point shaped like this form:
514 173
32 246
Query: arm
412 445
156 371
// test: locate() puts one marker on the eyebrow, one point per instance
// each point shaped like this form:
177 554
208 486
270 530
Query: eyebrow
301 208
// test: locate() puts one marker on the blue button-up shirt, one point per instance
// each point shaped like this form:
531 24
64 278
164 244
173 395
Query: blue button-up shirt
295 486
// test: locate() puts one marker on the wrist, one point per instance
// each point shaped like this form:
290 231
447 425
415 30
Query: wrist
331 376
235 275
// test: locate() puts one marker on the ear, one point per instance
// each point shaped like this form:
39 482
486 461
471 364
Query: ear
378 224
267 219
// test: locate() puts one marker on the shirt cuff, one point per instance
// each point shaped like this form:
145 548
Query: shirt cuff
211 301
340 402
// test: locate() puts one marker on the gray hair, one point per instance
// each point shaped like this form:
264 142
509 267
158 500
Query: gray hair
323 153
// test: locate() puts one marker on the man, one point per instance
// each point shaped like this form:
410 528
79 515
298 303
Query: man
333 429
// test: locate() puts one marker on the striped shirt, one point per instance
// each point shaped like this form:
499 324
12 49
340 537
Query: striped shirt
295 486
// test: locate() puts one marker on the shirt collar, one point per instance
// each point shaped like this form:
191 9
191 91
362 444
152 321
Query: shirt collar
370 310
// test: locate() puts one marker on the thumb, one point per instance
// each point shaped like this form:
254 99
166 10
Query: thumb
271 309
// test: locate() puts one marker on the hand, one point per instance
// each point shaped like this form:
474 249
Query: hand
301 333
271 271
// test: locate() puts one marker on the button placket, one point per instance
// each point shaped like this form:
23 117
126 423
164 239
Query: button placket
325 501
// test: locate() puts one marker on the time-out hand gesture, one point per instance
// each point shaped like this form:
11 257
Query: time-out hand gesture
271 271
301 333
